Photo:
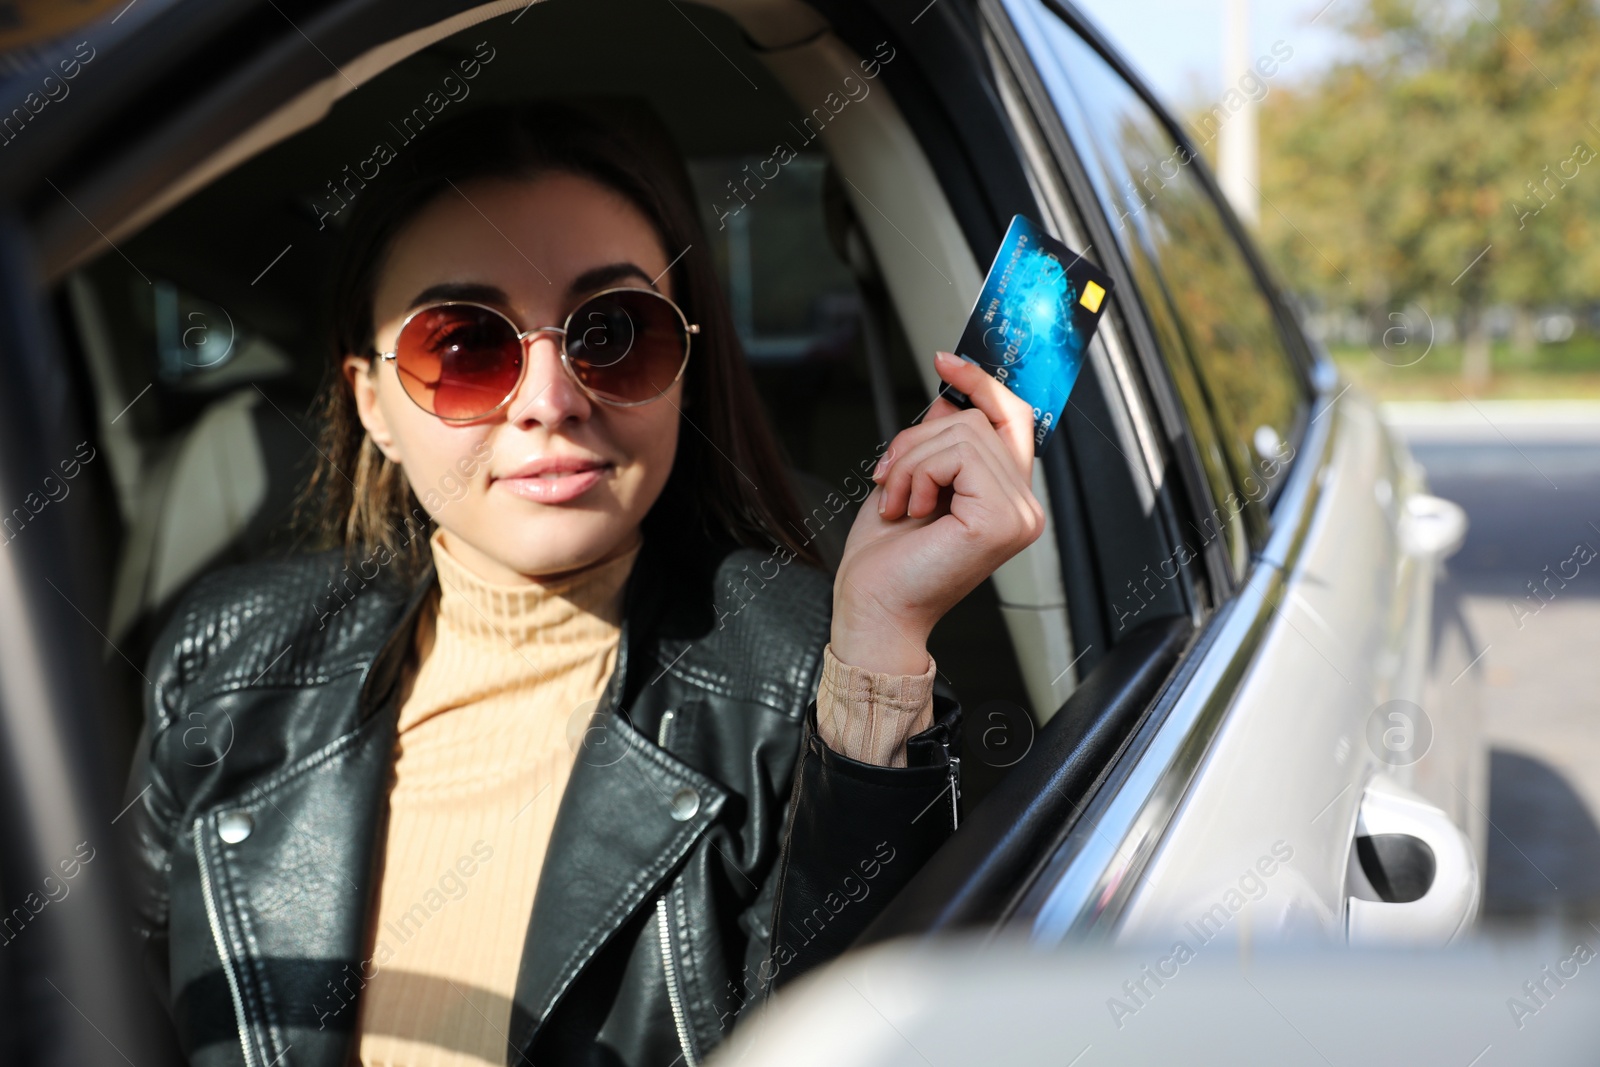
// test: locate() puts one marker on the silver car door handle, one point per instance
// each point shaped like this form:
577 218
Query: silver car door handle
1413 874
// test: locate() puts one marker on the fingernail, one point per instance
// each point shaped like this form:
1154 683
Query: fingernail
883 503
945 358
877 471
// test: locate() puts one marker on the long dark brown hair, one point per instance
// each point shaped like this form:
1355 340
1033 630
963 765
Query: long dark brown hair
728 485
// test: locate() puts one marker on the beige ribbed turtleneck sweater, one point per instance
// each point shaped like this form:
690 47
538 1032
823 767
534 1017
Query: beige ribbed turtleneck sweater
503 680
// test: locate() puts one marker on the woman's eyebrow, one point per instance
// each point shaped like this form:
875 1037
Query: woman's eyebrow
483 293
610 274
477 292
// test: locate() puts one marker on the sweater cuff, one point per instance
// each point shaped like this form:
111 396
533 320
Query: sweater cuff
868 716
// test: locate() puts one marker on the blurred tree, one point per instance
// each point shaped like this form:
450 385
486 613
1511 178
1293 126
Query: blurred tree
1450 163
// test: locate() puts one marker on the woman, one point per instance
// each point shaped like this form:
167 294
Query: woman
568 752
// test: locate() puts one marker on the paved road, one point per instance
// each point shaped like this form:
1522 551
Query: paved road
1529 477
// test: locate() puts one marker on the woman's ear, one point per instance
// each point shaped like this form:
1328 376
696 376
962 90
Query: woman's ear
361 373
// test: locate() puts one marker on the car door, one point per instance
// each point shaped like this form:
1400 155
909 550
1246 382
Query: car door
936 142
1254 795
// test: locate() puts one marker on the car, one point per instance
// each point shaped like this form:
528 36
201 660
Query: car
1217 698
1506 1000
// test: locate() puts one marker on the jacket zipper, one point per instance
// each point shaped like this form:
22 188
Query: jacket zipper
673 996
222 943
953 770
668 968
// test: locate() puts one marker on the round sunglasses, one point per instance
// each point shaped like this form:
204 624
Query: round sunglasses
460 360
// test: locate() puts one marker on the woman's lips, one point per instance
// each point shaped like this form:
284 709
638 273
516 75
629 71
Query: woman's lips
558 486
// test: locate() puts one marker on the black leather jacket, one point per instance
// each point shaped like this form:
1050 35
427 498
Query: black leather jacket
708 847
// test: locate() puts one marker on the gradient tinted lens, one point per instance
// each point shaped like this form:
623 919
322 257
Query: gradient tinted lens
458 361
627 346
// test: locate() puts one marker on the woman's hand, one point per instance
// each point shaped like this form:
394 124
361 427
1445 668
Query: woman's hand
954 501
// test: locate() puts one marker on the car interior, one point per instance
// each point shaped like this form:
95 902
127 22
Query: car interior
202 331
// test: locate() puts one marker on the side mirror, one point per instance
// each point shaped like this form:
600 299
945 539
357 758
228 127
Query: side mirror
1432 527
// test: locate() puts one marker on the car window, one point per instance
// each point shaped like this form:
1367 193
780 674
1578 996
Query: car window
1216 325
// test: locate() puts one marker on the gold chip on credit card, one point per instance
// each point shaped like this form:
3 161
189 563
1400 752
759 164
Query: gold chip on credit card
1092 295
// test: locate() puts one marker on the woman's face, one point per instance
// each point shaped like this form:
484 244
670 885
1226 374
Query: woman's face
531 249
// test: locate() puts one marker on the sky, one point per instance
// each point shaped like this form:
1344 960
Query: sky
1177 44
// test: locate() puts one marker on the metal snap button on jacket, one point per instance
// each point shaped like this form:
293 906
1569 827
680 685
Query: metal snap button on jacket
685 802
235 826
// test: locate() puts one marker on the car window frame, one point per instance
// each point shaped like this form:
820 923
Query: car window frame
1128 316
1084 886
1301 359
945 88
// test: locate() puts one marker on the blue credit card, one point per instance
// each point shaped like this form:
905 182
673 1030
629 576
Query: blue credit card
1031 325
